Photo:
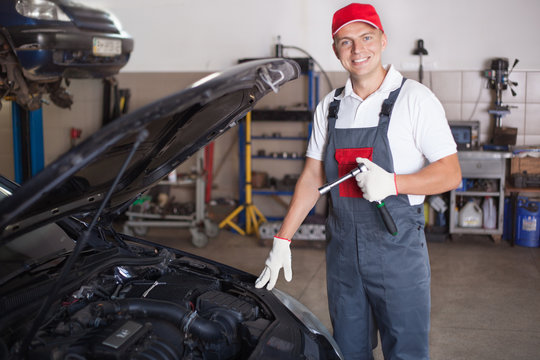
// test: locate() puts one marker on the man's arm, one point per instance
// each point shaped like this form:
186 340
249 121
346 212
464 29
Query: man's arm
438 177
305 196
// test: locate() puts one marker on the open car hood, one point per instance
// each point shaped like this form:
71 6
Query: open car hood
170 130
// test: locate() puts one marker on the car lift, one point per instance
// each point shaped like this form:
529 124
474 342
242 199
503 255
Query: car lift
254 217
28 154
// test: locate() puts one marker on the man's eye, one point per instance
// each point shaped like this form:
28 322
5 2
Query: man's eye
367 38
345 43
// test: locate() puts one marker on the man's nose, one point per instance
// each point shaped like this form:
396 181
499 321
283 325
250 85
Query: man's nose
357 46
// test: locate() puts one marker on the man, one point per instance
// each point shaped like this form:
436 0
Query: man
398 129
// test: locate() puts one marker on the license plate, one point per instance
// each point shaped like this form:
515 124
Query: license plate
107 47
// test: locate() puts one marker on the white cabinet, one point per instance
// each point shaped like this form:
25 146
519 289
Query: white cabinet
484 172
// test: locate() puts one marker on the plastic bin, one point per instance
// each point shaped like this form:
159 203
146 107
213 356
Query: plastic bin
528 222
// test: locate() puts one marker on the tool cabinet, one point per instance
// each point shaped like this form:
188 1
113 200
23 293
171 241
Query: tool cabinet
477 166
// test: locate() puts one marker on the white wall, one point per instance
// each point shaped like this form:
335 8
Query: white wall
209 35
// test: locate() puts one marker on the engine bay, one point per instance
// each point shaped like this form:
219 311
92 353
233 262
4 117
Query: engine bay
176 309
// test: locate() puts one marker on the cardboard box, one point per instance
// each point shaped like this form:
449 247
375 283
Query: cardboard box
530 165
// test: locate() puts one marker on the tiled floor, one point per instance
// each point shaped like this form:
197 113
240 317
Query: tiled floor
485 296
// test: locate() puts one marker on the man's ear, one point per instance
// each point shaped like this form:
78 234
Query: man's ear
384 40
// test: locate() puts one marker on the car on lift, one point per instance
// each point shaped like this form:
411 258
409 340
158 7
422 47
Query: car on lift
47 42
72 287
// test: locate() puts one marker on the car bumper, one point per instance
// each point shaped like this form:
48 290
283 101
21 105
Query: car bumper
70 54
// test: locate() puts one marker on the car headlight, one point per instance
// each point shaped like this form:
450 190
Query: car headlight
41 9
307 318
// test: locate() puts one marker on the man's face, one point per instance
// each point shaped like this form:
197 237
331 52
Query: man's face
359 47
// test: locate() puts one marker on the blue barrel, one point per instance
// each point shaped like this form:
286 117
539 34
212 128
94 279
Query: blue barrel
507 221
528 223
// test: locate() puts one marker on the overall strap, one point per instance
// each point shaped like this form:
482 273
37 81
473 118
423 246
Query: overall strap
333 109
381 135
388 106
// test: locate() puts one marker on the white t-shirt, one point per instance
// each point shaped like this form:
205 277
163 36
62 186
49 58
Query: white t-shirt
418 130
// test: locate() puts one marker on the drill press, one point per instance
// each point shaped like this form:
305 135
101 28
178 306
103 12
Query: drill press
498 80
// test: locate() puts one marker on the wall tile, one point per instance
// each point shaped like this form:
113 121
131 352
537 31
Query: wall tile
452 110
532 119
6 167
86 89
533 87
532 139
480 114
521 140
338 79
6 141
56 141
446 85
475 87
414 75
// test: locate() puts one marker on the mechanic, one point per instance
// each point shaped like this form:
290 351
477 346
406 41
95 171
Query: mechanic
398 129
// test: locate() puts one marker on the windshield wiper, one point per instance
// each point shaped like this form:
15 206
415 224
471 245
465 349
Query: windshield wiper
32 264
45 307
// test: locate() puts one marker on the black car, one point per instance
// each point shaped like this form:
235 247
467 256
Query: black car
71 287
46 41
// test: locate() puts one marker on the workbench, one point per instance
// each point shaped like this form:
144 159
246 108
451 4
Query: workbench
477 166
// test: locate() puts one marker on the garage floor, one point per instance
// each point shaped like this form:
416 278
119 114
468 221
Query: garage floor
485 296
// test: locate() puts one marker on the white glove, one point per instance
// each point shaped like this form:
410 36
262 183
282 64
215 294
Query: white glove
376 183
279 257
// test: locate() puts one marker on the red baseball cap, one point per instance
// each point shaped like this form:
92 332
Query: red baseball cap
355 12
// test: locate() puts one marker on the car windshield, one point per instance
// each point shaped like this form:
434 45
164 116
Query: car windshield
40 244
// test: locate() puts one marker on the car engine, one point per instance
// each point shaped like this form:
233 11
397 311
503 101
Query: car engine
175 311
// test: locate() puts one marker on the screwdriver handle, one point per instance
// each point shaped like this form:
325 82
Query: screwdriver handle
387 218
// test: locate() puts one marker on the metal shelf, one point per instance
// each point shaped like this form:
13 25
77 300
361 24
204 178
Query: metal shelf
200 226
477 193
282 115
481 165
278 158
279 138
272 192
277 116
474 231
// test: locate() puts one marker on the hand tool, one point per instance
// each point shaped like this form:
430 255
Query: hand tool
387 218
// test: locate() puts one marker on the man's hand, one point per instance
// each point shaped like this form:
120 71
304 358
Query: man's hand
376 183
279 257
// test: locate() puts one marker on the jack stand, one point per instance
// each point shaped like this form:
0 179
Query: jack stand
28 154
254 217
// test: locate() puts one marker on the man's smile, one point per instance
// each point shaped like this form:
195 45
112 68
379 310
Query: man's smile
357 61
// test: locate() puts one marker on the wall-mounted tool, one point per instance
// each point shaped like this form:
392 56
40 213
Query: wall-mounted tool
498 80
420 51
387 218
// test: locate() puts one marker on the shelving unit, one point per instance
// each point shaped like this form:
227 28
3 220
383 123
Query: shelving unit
478 165
279 116
200 226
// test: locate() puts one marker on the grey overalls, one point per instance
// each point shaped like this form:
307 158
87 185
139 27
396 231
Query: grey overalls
369 270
